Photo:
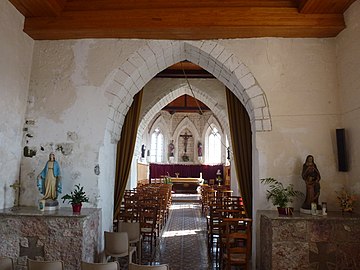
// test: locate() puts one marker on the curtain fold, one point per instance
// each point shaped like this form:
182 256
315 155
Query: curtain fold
125 151
240 130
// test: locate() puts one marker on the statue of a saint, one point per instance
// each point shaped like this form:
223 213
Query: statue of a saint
49 180
143 147
311 176
171 148
199 149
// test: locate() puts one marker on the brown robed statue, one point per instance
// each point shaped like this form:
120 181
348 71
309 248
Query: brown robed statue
311 176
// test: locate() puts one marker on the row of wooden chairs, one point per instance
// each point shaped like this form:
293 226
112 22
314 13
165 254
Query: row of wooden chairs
149 206
218 195
226 220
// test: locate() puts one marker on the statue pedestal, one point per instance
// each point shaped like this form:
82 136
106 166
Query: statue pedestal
51 205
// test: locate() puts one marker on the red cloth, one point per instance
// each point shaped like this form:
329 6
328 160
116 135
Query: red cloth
185 170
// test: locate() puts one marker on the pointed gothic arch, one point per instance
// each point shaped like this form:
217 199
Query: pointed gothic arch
212 121
155 56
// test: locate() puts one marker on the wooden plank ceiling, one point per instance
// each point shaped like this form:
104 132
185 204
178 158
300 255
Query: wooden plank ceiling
181 19
187 104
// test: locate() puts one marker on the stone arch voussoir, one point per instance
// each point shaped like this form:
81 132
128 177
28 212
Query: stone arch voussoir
155 56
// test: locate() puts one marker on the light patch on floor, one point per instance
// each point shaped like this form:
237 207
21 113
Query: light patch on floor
179 233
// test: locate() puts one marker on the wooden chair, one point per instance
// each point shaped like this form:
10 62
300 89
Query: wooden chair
117 246
148 267
213 220
45 265
148 224
100 266
237 238
6 263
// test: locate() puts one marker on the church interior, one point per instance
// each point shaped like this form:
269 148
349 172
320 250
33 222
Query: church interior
169 116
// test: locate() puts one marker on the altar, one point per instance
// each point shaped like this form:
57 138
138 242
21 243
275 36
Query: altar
185 185
187 171
303 241
27 232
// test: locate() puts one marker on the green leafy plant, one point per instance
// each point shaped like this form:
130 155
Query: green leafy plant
278 194
76 196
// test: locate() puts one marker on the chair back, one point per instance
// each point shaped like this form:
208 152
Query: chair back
132 229
45 265
100 266
133 266
6 263
238 241
116 243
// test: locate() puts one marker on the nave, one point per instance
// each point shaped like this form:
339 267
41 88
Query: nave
183 241
182 244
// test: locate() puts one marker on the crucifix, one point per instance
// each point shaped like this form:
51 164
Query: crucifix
186 137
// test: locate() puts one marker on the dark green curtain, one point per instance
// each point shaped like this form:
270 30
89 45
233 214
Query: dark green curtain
240 130
125 151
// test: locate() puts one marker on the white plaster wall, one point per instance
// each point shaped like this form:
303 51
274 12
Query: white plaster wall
297 75
300 82
15 64
105 196
348 60
70 108
69 105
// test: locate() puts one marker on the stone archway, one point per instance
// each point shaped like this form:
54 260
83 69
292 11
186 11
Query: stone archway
155 56
159 102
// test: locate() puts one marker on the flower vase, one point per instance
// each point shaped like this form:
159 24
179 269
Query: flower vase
76 207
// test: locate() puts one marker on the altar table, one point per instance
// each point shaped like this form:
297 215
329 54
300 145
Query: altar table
185 185
27 232
303 241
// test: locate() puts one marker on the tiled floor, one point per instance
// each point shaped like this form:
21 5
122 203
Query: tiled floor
182 244
183 241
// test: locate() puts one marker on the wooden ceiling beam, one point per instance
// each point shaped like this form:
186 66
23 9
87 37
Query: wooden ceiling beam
322 7
185 23
39 8
82 5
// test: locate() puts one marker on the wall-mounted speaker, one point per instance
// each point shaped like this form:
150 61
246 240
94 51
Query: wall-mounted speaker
341 150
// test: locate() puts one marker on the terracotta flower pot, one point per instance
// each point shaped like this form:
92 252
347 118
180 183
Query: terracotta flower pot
77 207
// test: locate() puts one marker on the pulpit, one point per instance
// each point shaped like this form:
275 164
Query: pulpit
27 232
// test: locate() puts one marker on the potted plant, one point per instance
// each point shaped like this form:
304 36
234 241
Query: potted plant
281 196
76 198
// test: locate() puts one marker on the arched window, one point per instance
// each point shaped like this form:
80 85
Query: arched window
157 146
214 146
